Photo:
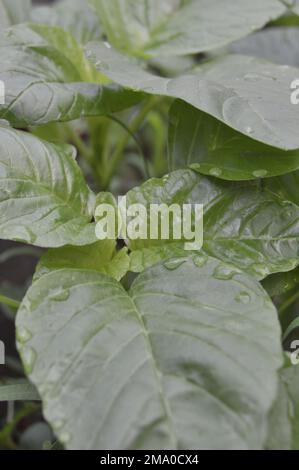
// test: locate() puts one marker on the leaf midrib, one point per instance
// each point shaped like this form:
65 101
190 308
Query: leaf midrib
157 374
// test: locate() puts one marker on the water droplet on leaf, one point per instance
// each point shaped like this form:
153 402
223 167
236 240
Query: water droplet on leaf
215 171
199 261
60 295
23 334
58 424
225 272
260 270
243 297
64 437
174 263
260 173
29 357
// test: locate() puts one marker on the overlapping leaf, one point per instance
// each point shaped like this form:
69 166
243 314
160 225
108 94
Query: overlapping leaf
253 228
250 95
74 16
14 12
101 256
171 364
174 27
210 147
47 78
278 45
44 199
284 417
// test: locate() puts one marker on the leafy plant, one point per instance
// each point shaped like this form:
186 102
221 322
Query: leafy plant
142 344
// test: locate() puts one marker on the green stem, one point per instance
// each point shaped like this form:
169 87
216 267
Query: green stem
83 149
285 305
9 302
134 126
6 432
138 144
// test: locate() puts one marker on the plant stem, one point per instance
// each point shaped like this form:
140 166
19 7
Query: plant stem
134 126
83 149
285 305
6 432
9 302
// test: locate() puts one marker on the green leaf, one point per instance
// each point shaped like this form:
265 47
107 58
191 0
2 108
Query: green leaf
171 364
47 78
284 416
17 390
277 44
199 141
245 225
13 12
44 199
74 16
281 283
102 256
174 27
250 95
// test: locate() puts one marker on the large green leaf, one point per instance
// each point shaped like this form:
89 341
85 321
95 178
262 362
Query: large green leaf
47 78
284 416
74 16
208 146
13 12
250 95
44 199
101 256
245 225
279 45
171 364
174 27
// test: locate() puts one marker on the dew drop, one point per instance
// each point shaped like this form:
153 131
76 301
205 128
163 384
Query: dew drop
260 270
199 261
23 334
58 424
215 171
248 130
29 357
243 297
195 166
64 437
174 263
260 173
225 272
60 295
